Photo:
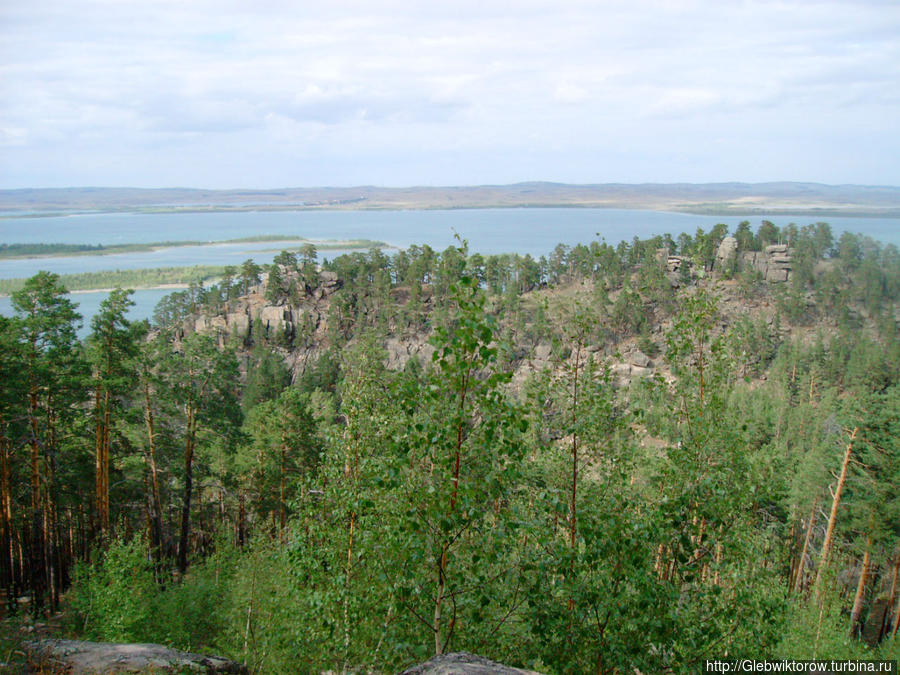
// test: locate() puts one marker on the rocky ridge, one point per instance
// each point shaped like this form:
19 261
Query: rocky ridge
308 315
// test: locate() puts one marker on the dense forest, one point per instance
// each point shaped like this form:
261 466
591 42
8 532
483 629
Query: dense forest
610 459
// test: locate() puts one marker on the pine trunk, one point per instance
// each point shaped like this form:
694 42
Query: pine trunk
860 591
832 518
155 501
188 490
98 461
801 564
892 596
7 557
896 621
282 486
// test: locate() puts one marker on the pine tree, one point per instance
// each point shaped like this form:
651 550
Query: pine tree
52 375
199 384
112 349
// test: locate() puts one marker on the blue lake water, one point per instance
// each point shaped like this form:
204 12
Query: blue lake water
524 230
535 231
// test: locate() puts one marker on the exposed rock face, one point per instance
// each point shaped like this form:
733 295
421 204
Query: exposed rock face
304 316
77 657
774 264
463 663
726 252
238 323
401 350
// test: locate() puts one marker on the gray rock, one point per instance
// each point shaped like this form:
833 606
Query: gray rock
639 358
274 314
238 322
726 251
328 278
78 657
329 282
674 263
775 275
463 663
621 369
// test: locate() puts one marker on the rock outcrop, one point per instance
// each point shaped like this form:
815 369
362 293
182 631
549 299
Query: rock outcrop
304 315
774 263
76 658
463 663
725 253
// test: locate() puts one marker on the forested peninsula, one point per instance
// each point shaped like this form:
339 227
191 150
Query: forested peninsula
609 459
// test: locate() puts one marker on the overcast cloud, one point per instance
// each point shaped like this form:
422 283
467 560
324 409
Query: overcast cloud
215 94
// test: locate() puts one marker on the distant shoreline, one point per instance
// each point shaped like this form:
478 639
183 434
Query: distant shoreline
712 210
725 199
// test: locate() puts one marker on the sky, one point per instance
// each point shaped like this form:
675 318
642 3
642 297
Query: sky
223 94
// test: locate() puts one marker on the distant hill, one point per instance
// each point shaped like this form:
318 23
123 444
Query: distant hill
706 198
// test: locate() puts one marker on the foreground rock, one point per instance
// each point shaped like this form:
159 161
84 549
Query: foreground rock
77 657
463 663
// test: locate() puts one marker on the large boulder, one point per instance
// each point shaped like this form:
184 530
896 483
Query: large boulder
463 663
726 252
639 358
76 657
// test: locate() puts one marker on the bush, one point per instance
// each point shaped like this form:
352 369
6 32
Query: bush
117 599
113 597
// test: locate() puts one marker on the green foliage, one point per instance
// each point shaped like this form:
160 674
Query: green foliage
361 518
465 434
115 596
754 343
282 448
117 599
267 376
819 630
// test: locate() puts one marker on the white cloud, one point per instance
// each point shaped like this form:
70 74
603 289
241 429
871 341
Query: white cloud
563 90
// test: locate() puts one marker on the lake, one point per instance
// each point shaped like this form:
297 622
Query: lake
534 231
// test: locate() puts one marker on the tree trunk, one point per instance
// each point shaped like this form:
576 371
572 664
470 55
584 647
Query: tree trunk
36 536
860 590
7 557
282 509
572 511
801 564
832 518
896 622
892 595
442 563
188 487
155 501
104 467
101 471
242 515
